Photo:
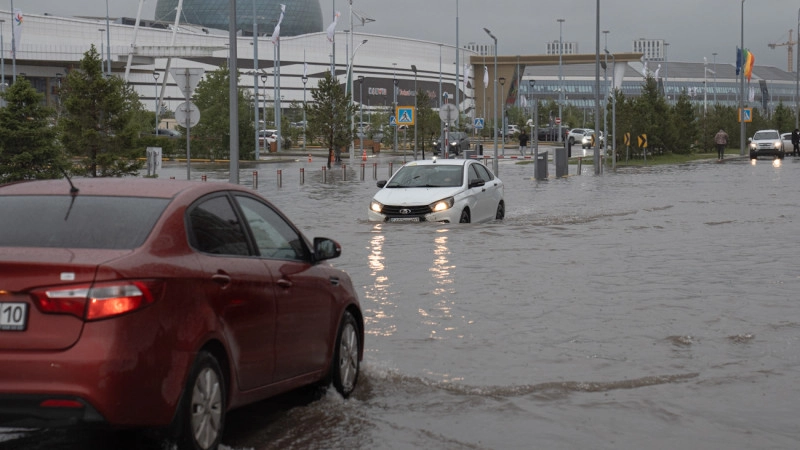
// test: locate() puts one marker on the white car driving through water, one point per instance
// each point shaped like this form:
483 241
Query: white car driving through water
439 190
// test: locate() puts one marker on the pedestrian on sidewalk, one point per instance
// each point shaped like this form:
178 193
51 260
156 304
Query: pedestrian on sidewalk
721 139
523 142
796 142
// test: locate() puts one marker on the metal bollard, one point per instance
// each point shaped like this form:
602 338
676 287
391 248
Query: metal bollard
302 175
362 171
202 178
255 179
344 172
374 171
580 161
390 169
324 174
280 178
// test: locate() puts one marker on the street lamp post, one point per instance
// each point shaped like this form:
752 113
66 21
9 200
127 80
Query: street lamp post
305 80
494 163
503 118
394 104
264 82
361 112
613 111
560 77
797 79
2 59
155 98
741 91
715 77
102 49
348 80
414 68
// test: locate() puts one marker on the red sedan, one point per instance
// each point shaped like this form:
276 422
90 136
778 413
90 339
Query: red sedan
140 303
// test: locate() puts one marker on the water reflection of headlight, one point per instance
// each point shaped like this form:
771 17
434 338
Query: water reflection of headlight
776 162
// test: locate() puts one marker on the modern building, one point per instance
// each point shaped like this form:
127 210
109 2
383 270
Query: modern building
652 49
305 15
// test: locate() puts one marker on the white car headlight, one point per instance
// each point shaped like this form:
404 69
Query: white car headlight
376 206
777 144
442 205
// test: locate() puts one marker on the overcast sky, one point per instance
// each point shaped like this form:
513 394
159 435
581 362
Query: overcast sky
693 28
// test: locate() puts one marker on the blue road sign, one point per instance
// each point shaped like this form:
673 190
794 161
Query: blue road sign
392 122
479 123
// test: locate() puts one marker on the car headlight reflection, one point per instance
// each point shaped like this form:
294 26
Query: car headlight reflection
376 206
442 205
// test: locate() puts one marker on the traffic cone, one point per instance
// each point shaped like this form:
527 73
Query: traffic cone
309 157
364 154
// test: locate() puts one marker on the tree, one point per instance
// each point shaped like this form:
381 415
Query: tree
101 121
212 136
685 127
27 139
329 116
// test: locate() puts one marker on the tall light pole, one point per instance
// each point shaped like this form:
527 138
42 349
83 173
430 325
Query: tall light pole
264 82
494 163
360 110
560 77
458 103
2 59
705 87
305 80
741 90
666 68
394 104
108 41
503 118
349 82
797 79
255 78
102 54
155 86
613 111
414 68
715 77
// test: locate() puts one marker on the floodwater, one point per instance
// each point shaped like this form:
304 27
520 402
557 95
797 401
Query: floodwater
649 307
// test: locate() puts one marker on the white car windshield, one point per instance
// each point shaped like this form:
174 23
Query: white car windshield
427 176
763 135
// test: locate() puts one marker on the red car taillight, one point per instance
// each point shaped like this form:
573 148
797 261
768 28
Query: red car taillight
98 301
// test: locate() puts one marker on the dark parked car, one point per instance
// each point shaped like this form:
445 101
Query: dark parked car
162 304
458 141
167 133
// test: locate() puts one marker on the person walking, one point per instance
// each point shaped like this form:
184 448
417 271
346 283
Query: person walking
523 142
796 142
721 139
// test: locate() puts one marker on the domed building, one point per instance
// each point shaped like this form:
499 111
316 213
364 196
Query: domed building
305 17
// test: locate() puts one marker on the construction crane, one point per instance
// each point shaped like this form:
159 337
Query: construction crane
790 43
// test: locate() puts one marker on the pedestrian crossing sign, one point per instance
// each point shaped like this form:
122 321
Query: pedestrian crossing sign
392 122
478 123
746 115
405 115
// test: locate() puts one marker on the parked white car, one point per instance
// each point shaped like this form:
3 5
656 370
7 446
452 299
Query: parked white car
439 190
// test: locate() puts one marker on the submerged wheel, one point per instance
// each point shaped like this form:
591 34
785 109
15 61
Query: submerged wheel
464 216
201 414
346 365
501 211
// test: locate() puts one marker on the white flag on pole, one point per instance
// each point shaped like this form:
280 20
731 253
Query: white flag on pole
485 77
658 69
332 27
276 35
466 72
752 94
16 26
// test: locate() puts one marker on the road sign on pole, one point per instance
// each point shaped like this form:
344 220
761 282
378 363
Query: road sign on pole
448 113
187 79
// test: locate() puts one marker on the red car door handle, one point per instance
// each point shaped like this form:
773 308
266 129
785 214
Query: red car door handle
284 283
221 279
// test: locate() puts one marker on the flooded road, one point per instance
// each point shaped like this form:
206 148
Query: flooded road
650 307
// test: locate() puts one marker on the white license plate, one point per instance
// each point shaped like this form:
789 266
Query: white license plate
404 219
13 316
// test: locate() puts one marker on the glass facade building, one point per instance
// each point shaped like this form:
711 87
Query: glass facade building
302 16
